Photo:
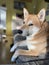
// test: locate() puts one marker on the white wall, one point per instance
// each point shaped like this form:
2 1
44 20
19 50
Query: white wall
2 17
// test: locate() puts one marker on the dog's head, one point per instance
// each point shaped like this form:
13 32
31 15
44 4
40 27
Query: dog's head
32 23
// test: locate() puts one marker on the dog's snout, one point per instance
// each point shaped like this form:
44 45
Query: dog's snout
17 31
20 31
20 38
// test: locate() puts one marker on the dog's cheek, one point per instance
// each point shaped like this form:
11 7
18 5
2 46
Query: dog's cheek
25 32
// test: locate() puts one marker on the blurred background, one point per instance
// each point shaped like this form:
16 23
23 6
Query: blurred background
14 7
9 10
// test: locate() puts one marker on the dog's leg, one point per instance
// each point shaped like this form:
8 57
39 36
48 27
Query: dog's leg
24 52
28 53
21 43
18 40
13 47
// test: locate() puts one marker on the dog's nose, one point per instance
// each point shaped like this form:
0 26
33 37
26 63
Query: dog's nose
17 31
20 31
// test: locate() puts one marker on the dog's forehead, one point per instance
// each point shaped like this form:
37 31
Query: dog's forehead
31 18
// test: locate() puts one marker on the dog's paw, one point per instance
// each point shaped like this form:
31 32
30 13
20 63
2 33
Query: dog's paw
15 56
13 48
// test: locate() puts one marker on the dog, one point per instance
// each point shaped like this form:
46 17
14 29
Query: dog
37 30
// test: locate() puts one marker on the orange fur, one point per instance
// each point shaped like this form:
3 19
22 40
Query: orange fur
39 39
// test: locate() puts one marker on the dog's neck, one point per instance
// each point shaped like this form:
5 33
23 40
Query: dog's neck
43 29
36 30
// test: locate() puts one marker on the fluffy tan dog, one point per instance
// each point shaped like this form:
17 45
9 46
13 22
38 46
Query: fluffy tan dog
38 30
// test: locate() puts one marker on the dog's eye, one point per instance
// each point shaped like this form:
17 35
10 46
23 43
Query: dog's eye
30 24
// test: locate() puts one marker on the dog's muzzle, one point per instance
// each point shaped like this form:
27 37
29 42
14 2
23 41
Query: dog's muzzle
17 31
20 38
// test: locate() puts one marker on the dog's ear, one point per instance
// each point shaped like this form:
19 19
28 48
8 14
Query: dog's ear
26 13
41 15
